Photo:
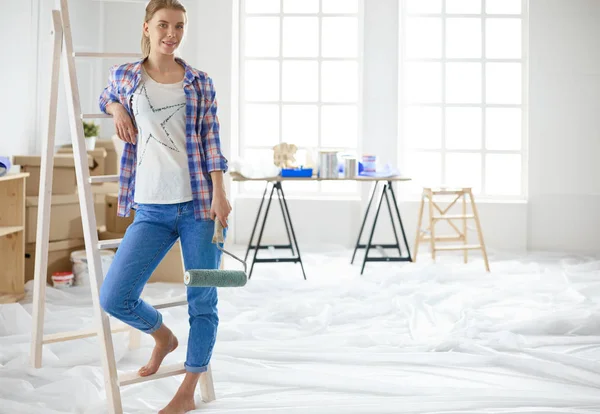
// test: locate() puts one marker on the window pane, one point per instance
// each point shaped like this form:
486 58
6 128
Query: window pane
340 6
423 83
503 38
503 6
262 81
262 36
340 37
340 81
503 174
423 37
261 125
463 38
300 125
262 6
463 6
463 128
339 126
503 128
503 83
463 82
300 36
423 6
424 168
300 81
339 186
463 170
423 127
300 6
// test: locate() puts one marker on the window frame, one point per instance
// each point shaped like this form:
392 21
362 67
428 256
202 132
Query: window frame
405 151
243 145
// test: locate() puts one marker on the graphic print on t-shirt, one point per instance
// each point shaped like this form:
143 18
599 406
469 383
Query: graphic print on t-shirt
164 140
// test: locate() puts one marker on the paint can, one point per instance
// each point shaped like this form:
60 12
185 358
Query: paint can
350 167
328 164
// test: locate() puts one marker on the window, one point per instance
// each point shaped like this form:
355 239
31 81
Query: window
462 94
299 82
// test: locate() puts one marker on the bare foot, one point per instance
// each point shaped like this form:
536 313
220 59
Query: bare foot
180 404
166 342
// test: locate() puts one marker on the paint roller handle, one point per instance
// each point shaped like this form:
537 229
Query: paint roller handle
219 238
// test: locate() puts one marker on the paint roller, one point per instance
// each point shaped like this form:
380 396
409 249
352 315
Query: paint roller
217 277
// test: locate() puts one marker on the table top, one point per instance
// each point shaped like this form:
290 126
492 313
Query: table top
238 177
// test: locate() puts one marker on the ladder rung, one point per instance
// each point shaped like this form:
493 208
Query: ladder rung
109 244
442 238
104 179
106 55
454 216
95 116
170 303
84 333
165 371
459 247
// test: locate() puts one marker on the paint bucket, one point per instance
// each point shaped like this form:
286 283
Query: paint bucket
350 167
80 265
61 280
328 164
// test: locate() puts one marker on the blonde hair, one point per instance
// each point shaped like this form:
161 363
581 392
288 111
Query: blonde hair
152 7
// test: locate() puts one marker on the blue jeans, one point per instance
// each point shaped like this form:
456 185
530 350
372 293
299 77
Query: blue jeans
155 229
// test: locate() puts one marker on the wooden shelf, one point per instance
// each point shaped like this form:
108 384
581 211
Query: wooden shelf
5 230
13 176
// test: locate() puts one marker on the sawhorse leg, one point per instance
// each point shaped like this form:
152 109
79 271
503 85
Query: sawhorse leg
384 194
289 230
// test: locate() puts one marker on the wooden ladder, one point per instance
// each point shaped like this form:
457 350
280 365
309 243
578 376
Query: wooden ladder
63 50
437 214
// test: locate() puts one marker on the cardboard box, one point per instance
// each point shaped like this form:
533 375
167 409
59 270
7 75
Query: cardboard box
98 165
63 177
112 161
169 270
59 257
65 217
114 223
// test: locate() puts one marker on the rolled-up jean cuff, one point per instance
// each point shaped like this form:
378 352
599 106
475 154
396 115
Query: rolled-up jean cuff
156 325
196 370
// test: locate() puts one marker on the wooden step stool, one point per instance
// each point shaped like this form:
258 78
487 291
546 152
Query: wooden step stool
429 234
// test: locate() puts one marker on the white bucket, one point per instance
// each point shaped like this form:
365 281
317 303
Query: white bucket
80 265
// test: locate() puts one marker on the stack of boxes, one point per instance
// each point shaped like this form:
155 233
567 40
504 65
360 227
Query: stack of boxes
66 229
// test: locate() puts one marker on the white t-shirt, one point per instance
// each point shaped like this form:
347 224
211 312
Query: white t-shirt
162 175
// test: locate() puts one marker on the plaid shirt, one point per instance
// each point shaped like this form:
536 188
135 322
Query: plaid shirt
202 133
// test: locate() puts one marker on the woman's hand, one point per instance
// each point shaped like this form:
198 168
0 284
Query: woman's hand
123 124
220 207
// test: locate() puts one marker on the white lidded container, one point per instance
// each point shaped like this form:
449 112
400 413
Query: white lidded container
80 265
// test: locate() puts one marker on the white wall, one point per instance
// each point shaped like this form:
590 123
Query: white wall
564 133
564 86
17 71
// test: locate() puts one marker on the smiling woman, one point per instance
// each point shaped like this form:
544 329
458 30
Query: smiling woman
172 175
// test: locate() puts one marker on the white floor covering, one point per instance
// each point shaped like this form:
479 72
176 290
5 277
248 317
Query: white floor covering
402 338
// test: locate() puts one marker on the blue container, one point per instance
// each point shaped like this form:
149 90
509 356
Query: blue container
297 172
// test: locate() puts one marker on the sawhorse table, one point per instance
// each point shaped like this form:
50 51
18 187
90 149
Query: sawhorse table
276 183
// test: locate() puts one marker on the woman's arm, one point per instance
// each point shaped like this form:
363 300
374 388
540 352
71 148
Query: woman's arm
220 207
209 132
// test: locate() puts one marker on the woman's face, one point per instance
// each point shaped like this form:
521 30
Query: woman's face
165 30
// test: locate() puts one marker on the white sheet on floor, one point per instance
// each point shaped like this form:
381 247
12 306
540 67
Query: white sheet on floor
402 338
